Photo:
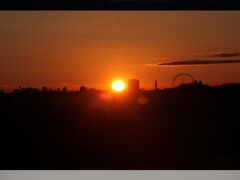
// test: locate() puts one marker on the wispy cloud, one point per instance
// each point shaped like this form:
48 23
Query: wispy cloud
198 62
4 86
218 54
195 62
159 58
153 64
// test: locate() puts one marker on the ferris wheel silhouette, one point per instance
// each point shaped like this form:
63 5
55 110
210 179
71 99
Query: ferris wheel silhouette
183 78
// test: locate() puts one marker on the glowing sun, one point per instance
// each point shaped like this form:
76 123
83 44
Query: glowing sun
118 85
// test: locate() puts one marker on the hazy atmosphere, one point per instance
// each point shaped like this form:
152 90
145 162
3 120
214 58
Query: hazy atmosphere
133 90
93 48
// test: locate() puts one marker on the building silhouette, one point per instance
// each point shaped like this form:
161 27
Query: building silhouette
64 89
133 85
44 89
83 89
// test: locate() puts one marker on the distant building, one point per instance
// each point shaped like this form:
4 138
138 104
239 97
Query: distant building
64 89
15 90
83 89
133 85
44 89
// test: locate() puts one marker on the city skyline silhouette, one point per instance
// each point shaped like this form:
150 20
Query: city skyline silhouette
105 90
92 49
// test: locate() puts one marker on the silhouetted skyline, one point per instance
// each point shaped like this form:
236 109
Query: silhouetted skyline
192 126
92 49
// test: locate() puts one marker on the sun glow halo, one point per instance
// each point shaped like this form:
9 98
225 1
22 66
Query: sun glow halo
118 85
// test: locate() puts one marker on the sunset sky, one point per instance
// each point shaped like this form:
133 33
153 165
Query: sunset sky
92 48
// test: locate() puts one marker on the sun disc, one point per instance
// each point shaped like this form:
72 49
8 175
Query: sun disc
118 85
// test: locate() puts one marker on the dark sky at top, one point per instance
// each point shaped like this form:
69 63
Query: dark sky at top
124 4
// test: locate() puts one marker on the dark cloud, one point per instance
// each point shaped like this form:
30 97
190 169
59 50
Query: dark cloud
197 62
223 54
219 54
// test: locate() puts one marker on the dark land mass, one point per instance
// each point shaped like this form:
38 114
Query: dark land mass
193 126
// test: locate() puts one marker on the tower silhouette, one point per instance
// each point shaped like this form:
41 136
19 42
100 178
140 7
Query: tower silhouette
133 85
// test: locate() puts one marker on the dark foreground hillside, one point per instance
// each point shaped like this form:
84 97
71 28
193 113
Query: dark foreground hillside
190 127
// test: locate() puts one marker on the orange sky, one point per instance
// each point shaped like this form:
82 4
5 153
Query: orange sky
93 48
